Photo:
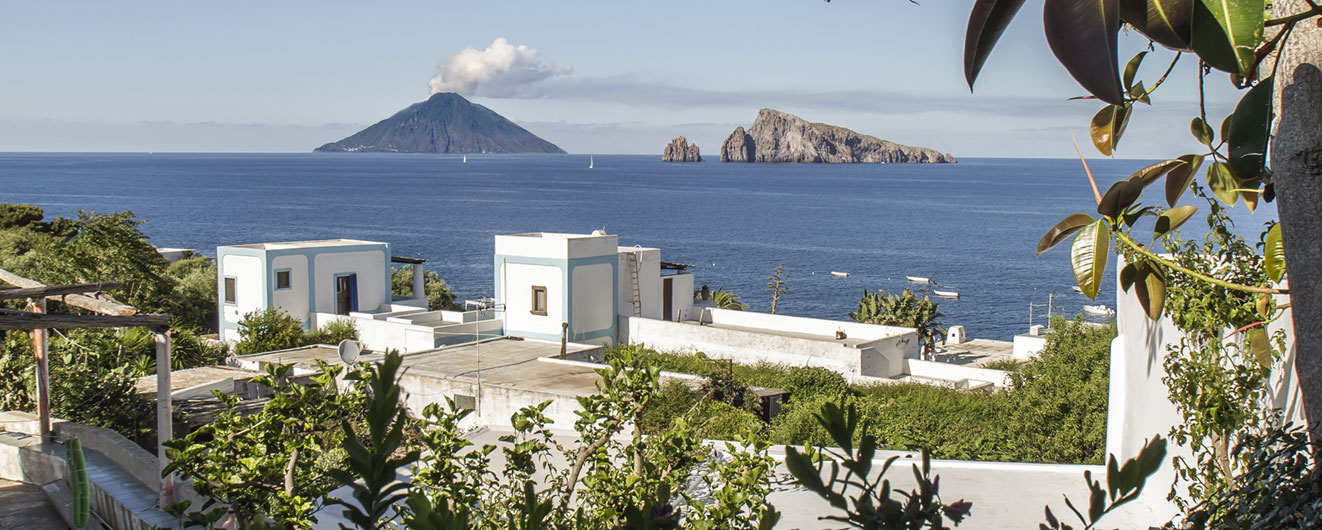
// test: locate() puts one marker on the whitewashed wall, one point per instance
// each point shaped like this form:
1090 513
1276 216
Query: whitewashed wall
1140 406
295 299
591 302
649 281
250 286
370 266
516 294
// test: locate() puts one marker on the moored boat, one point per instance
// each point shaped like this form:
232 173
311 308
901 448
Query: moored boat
918 279
840 274
945 294
1099 310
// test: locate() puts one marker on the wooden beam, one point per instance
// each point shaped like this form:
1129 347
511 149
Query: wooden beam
15 293
164 420
101 304
17 320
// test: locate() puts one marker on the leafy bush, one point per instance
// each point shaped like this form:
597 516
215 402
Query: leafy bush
268 330
194 301
1057 409
333 332
188 350
439 294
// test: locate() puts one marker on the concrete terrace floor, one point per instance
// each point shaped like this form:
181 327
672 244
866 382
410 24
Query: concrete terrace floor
25 506
521 364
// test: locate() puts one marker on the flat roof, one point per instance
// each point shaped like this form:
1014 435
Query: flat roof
507 362
191 377
314 243
976 352
554 235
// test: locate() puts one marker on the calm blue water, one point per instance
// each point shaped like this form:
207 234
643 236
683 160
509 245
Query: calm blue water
971 226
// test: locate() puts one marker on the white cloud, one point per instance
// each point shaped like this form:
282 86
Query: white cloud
501 70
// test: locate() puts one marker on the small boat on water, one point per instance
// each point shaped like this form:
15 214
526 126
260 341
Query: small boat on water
1099 310
945 294
591 163
1077 289
918 279
465 159
840 274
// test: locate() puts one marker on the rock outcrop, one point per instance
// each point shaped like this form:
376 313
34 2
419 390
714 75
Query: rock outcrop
779 137
738 147
679 150
445 123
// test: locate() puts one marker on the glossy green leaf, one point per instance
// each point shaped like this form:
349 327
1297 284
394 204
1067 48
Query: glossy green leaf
1140 94
1151 173
1107 126
1062 230
1127 275
1260 345
1150 288
1226 32
1250 127
987 21
1222 183
1082 35
1119 197
1131 69
1088 256
1250 193
1273 254
1181 176
1201 131
1167 22
1133 215
1171 220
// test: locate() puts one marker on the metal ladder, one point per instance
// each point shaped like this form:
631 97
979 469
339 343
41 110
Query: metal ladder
633 278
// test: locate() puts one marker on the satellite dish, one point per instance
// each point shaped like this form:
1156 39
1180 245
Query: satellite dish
349 351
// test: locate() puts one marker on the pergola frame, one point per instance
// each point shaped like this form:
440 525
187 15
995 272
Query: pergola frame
112 314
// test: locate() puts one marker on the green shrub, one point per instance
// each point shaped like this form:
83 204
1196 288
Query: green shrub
333 332
720 421
1057 408
674 400
810 380
439 294
188 350
268 330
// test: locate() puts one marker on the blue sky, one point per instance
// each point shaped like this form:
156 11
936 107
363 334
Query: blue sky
289 76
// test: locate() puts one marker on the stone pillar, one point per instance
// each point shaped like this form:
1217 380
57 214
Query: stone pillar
419 287
164 418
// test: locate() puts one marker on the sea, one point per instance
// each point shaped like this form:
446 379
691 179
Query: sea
972 227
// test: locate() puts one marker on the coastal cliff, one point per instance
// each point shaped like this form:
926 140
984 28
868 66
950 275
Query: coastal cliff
779 137
445 123
679 150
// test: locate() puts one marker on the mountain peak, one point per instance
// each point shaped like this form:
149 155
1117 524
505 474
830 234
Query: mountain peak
445 123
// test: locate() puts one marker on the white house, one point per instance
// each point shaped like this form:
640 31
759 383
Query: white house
302 278
549 284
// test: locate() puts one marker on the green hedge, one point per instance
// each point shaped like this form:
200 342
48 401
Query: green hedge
1054 412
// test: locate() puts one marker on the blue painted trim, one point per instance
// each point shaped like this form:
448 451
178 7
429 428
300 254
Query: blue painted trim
275 279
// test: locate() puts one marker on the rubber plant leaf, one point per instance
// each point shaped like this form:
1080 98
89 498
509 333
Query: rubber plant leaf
1225 33
987 21
1088 256
1062 230
1082 35
1250 128
1128 273
1167 22
1261 346
1171 220
1107 126
1131 68
1201 131
1180 177
1150 287
1273 254
1119 197
1222 183
1153 172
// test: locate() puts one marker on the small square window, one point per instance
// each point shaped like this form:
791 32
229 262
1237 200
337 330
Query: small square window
465 402
282 279
538 300
231 290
